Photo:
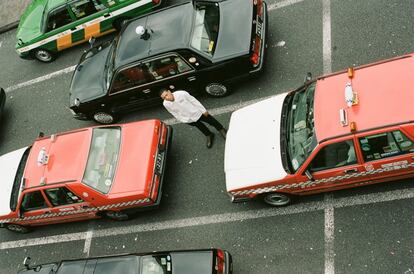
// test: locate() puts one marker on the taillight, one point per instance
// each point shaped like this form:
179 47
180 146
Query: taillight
255 57
163 138
220 261
154 188
156 2
259 7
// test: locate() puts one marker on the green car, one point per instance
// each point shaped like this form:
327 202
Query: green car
49 26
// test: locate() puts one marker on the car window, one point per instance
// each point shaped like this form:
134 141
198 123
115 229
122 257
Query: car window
59 196
102 158
58 18
383 145
33 200
156 264
206 27
334 155
148 72
83 8
122 264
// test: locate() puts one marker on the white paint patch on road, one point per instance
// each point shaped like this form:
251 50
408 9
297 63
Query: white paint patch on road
326 33
88 242
217 218
41 79
282 4
281 44
329 235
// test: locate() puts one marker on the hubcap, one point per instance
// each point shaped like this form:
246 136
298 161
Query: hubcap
103 118
277 199
216 89
16 228
43 55
117 215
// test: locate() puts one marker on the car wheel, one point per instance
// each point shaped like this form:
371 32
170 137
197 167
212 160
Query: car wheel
44 55
18 228
216 90
118 23
277 199
103 117
116 215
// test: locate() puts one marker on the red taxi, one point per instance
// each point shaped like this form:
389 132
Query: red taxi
84 174
343 130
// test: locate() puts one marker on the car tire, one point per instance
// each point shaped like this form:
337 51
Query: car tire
118 23
277 199
103 117
116 215
216 90
18 228
44 55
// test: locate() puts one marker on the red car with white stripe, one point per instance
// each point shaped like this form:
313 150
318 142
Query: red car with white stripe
343 130
84 174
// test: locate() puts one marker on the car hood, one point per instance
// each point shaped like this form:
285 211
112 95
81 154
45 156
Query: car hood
8 168
252 152
136 159
199 262
88 78
235 29
30 22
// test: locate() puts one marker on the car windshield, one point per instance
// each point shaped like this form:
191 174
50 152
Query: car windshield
301 139
18 180
103 158
205 27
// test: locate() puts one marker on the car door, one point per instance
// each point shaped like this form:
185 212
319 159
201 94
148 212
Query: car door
138 85
388 155
33 208
67 206
58 24
333 166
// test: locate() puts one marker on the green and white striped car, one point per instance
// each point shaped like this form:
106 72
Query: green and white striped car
49 26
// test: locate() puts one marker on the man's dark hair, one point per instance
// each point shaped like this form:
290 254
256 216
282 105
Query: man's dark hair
162 91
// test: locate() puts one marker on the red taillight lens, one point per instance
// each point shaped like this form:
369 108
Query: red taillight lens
156 2
255 57
163 137
220 261
259 7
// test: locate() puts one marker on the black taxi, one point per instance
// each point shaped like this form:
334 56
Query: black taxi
200 45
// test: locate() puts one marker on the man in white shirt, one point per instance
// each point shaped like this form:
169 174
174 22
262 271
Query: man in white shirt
187 109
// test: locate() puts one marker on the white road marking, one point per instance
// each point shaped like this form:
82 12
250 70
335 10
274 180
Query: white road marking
329 210
41 79
88 241
217 218
282 4
326 33
329 235
1 43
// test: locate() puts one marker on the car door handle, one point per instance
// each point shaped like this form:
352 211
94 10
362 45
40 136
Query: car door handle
146 91
192 78
107 15
352 170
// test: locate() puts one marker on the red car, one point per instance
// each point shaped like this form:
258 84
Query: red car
84 174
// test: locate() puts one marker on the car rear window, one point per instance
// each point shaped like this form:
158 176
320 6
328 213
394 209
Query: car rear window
205 27
103 158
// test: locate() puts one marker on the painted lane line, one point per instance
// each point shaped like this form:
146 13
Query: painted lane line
217 218
329 210
88 242
329 235
271 7
283 4
41 79
326 33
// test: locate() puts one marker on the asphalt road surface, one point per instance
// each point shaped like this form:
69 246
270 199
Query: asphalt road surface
365 230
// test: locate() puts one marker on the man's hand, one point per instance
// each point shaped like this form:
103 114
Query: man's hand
205 113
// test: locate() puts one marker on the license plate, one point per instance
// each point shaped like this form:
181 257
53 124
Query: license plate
159 163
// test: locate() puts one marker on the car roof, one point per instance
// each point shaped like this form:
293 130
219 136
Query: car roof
169 30
385 95
67 153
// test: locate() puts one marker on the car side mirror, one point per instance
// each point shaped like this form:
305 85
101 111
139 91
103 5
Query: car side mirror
309 175
91 41
308 77
26 263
